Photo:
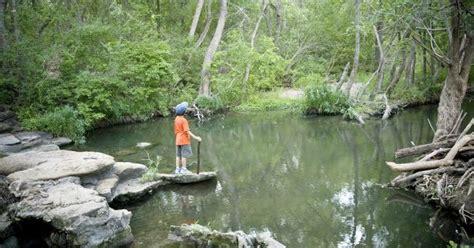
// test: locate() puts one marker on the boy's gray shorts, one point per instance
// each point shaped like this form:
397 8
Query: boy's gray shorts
184 151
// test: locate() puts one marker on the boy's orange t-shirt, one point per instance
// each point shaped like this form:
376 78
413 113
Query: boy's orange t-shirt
181 129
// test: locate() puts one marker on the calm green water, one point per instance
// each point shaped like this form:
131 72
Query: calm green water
311 181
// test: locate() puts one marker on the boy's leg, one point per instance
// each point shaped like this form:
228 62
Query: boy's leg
183 162
186 152
178 159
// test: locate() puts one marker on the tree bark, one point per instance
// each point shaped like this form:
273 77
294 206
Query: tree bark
269 23
397 75
197 14
279 19
409 67
343 76
378 31
460 56
355 65
204 89
207 26
381 59
252 44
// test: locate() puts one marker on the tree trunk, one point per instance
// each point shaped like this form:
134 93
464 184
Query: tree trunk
410 64
397 75
355 65
269 24
3 40
16 29
204 89
197 14
252 44
460 56
343 76
425 63
378 30
279 20
207 26
381 67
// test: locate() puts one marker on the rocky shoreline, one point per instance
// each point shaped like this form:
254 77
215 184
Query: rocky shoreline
71 192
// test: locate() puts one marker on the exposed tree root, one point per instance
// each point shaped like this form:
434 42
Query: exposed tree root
441 174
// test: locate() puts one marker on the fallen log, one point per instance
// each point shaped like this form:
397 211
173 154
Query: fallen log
452 169
446 161
425 148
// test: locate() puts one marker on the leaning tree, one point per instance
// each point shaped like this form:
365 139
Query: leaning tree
456 19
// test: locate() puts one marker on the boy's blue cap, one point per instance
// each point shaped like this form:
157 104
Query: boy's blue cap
181 108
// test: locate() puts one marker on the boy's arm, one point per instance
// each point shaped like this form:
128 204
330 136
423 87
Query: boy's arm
194 136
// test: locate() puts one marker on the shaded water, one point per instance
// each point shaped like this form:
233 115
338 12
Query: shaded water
311 181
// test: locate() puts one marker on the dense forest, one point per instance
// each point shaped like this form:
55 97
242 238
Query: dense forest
70 66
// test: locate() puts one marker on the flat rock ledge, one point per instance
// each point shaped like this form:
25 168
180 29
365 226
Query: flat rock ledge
71 191
196 235
27 141
188 178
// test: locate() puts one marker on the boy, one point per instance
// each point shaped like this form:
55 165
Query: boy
183 142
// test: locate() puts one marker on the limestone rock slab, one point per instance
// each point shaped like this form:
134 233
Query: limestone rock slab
135 188
53 164
8 139
127 170
61 141
188 178
82 216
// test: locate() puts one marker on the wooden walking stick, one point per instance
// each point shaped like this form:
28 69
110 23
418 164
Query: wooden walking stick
199 157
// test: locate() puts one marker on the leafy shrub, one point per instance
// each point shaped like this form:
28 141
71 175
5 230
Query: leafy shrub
310 79
212 103
419 93
268 101
62 121
323 100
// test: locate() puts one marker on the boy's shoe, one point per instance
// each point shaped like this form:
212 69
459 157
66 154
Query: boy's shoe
177 171
185 171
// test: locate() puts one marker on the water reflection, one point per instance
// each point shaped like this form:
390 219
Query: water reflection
312 182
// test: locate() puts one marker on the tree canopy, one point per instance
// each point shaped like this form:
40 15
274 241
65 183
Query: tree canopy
105 60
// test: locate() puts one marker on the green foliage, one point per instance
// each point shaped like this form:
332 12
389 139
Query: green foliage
212 103
61 121
266 68
419 93
321 99
453 244
310 79
110 59
270 101
135 80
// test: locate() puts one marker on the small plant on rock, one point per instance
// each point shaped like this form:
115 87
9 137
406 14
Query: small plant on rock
153 166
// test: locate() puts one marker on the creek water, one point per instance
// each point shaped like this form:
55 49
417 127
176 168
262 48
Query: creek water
310 181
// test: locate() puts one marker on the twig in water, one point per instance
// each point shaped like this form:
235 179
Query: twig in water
432 129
